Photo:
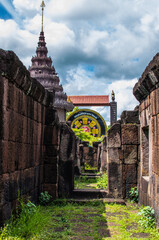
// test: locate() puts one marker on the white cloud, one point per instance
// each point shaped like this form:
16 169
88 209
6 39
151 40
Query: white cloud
116 39
14 38
93 41
123 94
28 7
82 82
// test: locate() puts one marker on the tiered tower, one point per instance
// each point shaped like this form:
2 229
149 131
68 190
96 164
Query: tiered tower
43 70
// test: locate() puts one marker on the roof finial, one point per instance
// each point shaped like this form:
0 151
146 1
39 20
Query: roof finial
42 6
113 96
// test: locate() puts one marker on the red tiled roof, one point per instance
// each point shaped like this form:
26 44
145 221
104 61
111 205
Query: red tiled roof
96 100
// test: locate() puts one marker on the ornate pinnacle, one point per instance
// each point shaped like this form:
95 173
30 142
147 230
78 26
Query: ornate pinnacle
42 6
113 96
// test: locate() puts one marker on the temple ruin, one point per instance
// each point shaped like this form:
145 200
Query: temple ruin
39 151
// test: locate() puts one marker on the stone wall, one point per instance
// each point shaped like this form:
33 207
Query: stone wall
147 93
90 153
122 154
67 155
32 142
102 156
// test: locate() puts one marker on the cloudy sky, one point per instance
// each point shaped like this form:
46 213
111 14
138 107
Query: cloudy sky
96 45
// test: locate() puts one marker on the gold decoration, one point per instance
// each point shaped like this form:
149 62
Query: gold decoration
113 96
42 6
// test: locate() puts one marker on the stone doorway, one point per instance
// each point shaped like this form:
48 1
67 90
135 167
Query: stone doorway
89 180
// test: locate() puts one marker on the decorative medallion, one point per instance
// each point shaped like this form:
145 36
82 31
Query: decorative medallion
89 120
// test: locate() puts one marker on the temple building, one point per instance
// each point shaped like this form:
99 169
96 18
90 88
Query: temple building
43 70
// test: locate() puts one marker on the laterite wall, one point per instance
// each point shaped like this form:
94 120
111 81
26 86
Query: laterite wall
28 136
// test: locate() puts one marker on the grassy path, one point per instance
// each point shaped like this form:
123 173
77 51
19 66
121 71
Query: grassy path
91 221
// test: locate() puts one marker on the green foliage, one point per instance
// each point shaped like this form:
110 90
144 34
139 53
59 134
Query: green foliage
27 223
69 113
108 127
147 217
45 198
102 181
62 220
86 136
83 182
88 167
134 195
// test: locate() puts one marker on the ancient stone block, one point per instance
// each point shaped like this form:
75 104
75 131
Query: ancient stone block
115 155
5 124
129 134
5 190
142 106
6 211
51 189
37 176
115 181
14 186
128 188
131 174
51 151
153 102
39 116
50 173
28 179
3 91
103 166
51 135
67 144
41 174
130 154
130 117
114 136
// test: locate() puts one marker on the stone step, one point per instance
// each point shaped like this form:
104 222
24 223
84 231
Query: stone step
91 171
104 200
90 194
91 175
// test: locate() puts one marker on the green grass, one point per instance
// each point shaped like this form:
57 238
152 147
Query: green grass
66 221
83 182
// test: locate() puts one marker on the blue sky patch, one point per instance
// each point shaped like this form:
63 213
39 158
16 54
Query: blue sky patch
136 60
89 68
4 14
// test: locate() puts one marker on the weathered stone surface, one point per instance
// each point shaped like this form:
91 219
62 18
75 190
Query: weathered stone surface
131 174
115 155
50 173
129 134
51 189
29 137
13 69
114 136
148 81
130 117
115 179
66 161
130 154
